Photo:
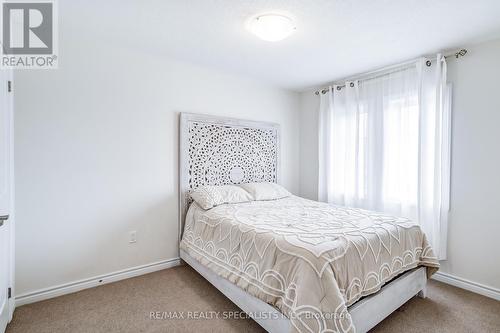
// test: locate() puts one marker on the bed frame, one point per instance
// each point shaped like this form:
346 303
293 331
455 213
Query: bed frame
220 151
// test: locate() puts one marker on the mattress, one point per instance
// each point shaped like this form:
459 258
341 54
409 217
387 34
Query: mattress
310 260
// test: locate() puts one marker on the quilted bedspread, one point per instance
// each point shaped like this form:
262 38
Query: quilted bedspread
310 260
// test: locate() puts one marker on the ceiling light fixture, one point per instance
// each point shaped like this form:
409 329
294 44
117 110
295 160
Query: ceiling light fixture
272 27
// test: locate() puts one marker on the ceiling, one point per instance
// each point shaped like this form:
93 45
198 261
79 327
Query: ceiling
334 38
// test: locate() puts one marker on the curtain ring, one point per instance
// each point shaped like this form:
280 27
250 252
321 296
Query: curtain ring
428 63
339 87
352 84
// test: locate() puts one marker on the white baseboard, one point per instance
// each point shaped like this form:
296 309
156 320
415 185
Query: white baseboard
72 287
468 285
75 286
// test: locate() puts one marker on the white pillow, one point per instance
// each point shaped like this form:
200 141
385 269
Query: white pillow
266 191
211 196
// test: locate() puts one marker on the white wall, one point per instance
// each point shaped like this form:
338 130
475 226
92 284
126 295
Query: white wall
96 154
474 227
309 104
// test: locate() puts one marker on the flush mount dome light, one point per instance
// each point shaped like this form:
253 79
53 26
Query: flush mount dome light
271 27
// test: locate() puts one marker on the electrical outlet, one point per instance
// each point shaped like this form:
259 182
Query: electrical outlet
132 237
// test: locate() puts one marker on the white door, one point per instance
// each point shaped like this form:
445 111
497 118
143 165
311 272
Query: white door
6 202
4 275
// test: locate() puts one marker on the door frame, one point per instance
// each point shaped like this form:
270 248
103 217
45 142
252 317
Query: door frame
9 225
12 216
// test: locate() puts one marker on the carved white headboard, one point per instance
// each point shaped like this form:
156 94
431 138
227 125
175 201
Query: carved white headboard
220 151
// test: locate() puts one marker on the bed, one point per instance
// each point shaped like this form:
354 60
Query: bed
292 264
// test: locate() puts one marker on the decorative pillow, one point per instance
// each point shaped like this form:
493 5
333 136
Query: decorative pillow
211 196
266 191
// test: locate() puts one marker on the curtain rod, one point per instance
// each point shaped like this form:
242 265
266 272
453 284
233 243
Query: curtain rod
396 68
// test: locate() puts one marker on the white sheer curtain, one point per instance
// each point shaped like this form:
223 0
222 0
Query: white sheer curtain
384 144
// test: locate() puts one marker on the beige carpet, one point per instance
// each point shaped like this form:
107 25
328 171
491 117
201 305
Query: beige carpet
125 306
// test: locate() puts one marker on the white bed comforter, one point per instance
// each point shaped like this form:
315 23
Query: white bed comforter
308 259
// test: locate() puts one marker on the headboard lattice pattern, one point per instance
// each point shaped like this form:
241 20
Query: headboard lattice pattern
221 151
